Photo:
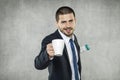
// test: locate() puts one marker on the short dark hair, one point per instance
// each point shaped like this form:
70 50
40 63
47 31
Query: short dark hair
63 10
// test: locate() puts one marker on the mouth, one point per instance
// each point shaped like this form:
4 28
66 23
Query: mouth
68 29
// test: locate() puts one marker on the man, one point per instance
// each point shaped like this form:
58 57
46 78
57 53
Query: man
67 66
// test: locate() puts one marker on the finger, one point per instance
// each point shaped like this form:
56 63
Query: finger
50 47
51 53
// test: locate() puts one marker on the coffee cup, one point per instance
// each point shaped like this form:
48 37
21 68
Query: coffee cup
58 45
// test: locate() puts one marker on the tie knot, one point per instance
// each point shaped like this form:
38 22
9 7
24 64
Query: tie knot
71 40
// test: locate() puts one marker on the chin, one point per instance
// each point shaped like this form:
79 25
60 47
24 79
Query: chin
69 35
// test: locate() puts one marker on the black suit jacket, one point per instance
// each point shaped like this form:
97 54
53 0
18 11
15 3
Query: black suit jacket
59 67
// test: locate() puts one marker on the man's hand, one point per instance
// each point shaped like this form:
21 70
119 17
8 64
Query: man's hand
50 50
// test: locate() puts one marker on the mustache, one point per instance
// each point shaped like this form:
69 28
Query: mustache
68 28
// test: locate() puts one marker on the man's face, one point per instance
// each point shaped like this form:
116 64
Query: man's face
66 24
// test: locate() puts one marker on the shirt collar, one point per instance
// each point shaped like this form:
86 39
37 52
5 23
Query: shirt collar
66 38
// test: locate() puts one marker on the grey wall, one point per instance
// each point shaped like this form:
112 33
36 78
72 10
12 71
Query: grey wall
24 23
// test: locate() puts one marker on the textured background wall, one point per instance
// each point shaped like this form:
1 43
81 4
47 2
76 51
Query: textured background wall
24 23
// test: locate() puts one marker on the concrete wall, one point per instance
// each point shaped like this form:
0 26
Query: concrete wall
24 23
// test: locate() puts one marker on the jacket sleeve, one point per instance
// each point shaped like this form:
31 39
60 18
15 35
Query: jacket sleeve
42 60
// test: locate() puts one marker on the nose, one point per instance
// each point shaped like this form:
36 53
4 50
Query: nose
68 24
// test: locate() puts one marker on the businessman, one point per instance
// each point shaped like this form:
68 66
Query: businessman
67 66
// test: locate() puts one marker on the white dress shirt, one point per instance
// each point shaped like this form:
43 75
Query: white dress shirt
67 43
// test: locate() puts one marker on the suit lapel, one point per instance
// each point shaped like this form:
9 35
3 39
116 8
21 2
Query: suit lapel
78 48
65 53
57 34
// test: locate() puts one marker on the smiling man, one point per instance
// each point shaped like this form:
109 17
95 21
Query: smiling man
67 66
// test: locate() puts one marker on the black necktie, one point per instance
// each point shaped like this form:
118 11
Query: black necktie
74 59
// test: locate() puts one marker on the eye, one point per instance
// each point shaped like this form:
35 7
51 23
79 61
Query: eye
63 22
71 21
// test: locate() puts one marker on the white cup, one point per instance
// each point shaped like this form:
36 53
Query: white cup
58 45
